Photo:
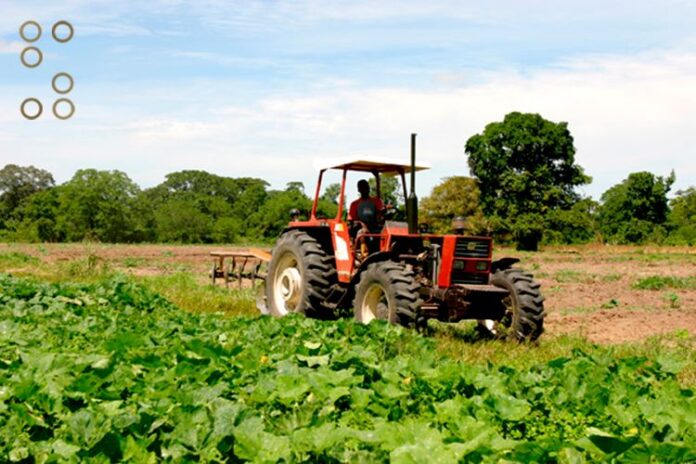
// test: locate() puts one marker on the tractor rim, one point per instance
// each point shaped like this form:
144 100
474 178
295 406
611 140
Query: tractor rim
287 285
498 327
375 304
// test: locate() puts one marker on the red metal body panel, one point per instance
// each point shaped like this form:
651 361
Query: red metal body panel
342 251
340 239
448 244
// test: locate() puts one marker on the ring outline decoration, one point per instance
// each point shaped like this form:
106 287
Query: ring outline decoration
27 23
24 61
28 100
55 87
65 39
66 116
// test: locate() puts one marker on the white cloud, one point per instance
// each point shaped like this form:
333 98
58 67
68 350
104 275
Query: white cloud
627 113
156 130
11 47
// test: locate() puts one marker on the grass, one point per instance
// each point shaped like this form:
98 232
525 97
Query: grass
652 257
672 299
610 277
133 262
568 276
185 291
657 282
14 259
173 267
90 267
678 349
613 303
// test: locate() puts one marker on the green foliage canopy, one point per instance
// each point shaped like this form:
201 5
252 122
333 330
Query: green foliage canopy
455 196
572 226
200 207
682 217
636 209
98 205
19 182
391 191
197 206
526 167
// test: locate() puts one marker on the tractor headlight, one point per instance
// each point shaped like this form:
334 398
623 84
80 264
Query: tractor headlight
481 266
458 265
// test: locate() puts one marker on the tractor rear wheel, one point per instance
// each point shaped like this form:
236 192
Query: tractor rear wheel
300 276
387 291
523 317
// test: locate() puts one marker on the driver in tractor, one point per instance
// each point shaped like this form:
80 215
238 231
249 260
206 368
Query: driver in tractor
365 216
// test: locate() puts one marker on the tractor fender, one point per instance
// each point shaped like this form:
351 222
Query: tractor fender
373 258
348 296
502 264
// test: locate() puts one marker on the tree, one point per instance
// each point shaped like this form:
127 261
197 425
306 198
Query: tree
636 209
295 185
97 205
390 189
332 192
455 196
19 182
682 217
34 220
572 226
181 220
226 204
273 216
526 168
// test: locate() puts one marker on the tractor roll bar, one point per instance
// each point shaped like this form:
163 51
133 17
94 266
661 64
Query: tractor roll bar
412 201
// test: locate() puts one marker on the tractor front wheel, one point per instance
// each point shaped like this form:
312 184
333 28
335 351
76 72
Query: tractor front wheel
523 317
387 291
300 276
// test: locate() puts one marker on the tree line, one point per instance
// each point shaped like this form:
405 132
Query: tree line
522 190
107 206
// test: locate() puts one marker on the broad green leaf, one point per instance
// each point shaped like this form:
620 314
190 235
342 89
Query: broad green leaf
248 438
611 444
136 451
510 408
18 454
313 361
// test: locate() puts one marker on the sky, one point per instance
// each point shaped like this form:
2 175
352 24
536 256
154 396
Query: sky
267 88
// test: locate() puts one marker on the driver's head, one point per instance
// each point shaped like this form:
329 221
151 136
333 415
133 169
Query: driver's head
363 188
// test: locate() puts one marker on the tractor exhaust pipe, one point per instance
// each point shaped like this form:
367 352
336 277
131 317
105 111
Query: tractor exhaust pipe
412 201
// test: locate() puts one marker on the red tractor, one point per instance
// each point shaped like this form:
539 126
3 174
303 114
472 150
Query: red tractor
321 267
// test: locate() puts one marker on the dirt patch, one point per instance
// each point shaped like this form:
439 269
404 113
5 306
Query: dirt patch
591 290
141 259
616 326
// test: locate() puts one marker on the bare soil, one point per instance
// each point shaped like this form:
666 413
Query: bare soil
616 326
589 289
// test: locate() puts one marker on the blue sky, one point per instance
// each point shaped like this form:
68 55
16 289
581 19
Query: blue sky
264 88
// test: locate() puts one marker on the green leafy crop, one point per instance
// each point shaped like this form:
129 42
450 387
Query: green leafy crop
111 372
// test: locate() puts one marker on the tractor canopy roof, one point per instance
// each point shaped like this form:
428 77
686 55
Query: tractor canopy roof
372 164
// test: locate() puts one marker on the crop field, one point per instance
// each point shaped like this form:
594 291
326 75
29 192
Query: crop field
117 352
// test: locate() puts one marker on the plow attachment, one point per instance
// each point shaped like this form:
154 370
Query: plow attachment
240 266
